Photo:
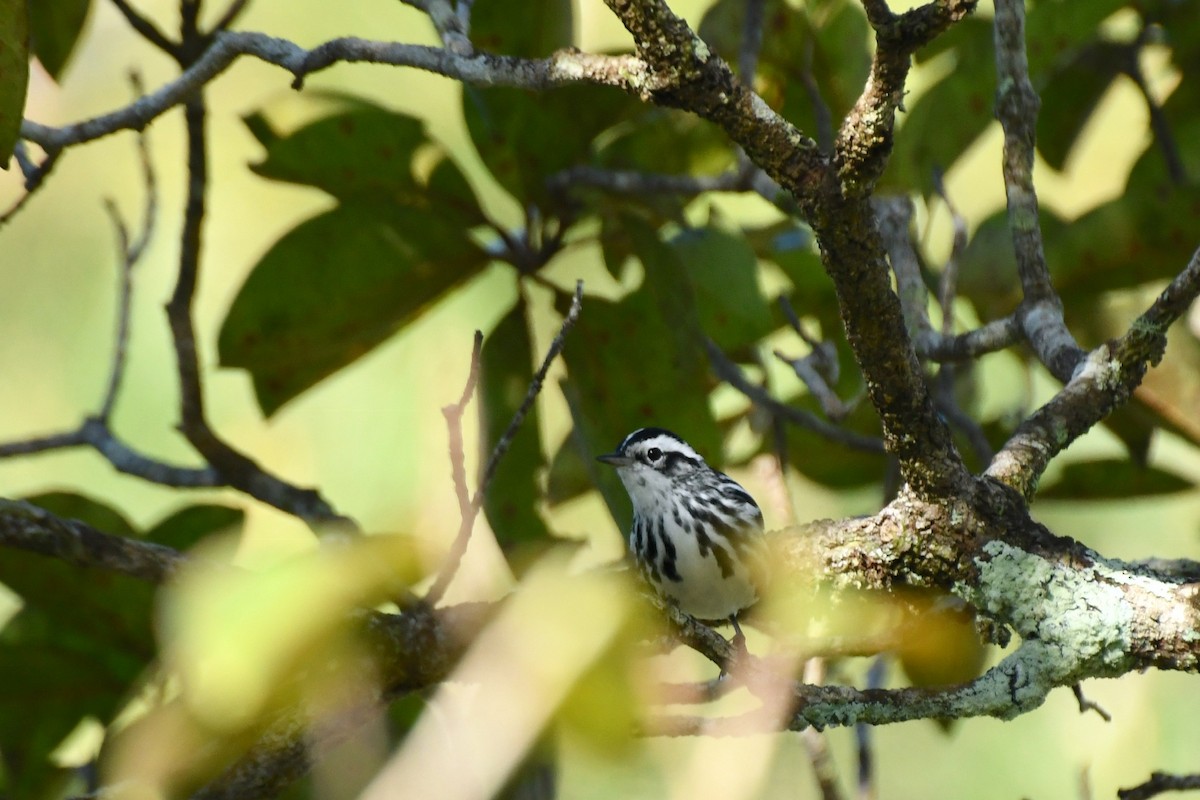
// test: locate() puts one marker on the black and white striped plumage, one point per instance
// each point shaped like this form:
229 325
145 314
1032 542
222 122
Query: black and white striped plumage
696 533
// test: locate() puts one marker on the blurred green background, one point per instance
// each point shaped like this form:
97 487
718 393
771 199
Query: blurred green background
373 439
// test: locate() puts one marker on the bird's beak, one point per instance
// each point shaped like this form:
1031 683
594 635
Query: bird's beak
615 460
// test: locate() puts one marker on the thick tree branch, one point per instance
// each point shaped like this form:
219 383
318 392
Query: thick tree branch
1104 381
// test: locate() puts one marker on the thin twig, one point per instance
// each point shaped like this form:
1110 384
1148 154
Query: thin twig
128 253
468 508
1086 705
822 115
815 743
535 387
146 29
230 16
729 372
818 369
1160 783
752 33
862 735
469 505
35 178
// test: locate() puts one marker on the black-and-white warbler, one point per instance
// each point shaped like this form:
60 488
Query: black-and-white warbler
697 535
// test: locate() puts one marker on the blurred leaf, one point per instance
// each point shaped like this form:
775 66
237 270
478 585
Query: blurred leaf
1071 96
927 140
81 640
1138 237
639 362
1135 427
569 475
827 462
336 286
1057 30
1112 479
54 29
367 153
938 642
189 526
665 141
14 73
74 506
791 247
243 641
724 272
523 138
826 41
988 266
541 27
506 366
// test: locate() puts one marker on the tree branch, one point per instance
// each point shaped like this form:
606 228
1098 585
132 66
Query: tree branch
1160 783
1017 107
562 68
27 527
1104 381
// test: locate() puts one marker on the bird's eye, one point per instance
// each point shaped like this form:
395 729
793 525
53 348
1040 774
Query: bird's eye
653 454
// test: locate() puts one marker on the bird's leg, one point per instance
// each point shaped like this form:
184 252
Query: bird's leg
739 639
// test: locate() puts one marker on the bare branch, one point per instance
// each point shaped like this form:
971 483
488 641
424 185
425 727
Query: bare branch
128 254
234 468
535 388
147 29
1160 783
1017 107
752 33
562 68
35 177
468 508
27 527
865 139
729 372
1086 705
230 16
1105 380
817 369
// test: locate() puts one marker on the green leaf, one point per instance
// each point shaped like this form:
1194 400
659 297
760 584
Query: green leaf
366 153
1113 479
505 369
825 40
336 286
74 506
1057 30
1138 237
14 73
523 138
1068 100
665 141
540 27
569 475
639 362
79 643
54 29
188 526
724 271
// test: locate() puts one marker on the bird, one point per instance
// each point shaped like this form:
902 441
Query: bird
697 536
